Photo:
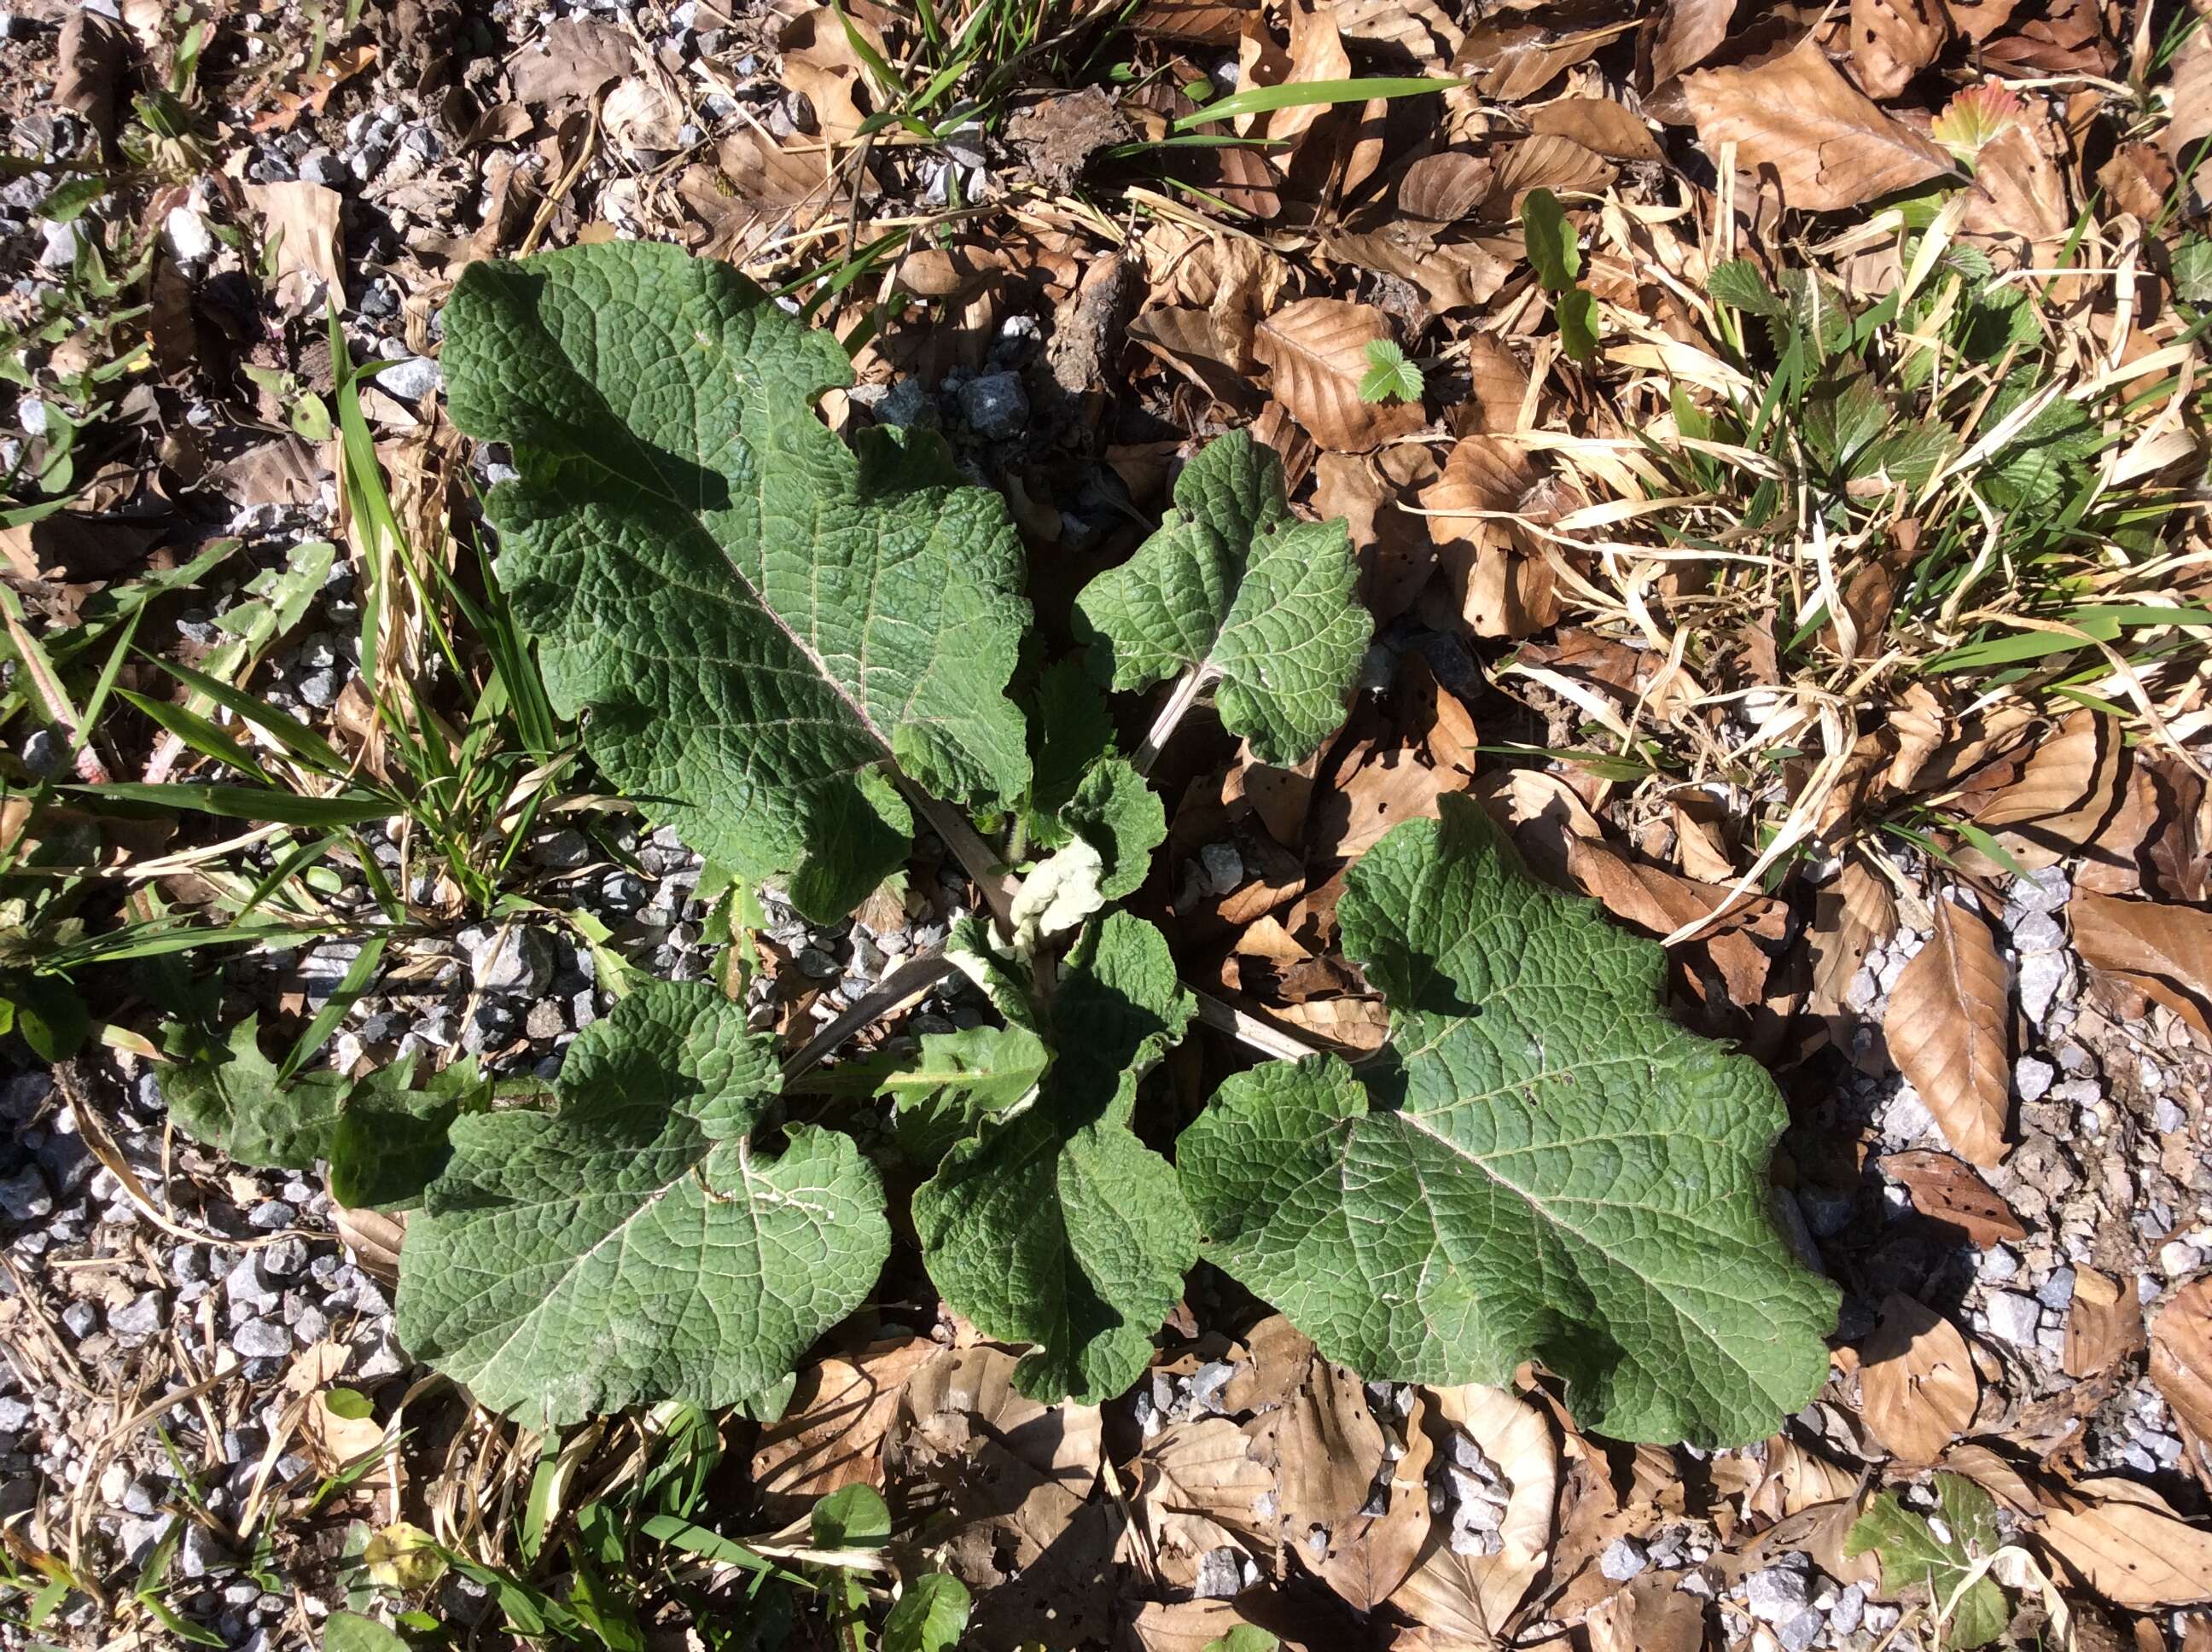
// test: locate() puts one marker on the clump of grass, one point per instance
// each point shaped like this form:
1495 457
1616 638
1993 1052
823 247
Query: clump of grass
1956 487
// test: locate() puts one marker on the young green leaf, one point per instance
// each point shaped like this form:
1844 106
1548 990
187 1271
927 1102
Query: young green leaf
638 1244
1116 811
761 622
1057 1226
960 1079
1236 588
930 1615
1577 310
1554 251
1550 1167
236 1105
1914 1556
1389 375
1071 730
390 1139
851 1517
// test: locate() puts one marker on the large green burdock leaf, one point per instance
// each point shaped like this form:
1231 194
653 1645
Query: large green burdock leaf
759 620
637 1244
1235 587
1057 1226
1545 1167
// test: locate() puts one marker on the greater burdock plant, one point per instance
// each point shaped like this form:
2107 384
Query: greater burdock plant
793 651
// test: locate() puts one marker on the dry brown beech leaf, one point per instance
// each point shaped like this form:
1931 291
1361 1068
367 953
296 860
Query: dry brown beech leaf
1947 1028
1917 1389
1820 138
1194 1626
302 219
1598 123
2064 796
1396 554
1546 161
2126 1542
1317 54
1951 1190
1324 1447
1651 1614
1417 29
1315 351
1368 1556
830 1433
2163 950
1365 802
1466 1599
2181 1367
1893 40
1849 916
1444 187
2018 203
1691 31
1501 590
2104 1324
770 180
819 61
1198 1489
579 58
1510 59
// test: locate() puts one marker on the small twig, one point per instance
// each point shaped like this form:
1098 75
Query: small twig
910 979
1277 1043
977 857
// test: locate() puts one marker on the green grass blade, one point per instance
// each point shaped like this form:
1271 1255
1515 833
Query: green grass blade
1300 95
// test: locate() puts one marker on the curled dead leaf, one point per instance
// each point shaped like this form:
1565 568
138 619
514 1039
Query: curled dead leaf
2181 1367
1917 1389
2162 950
1950 1190
1948 1026
1794 118
2104 1324
2126 1542
1470 1598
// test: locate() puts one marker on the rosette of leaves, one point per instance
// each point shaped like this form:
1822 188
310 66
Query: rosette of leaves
769 631
1544 1165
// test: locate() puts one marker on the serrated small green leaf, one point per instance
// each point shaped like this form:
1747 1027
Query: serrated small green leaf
638 1243
1553 248
2192 269
1389 376
929 1616
851 1517
957 1081
1916 1555
1057 1226
1234 586
1738 282
759 620
1117 812
1578 316
1547 1166
237 1105
1910 455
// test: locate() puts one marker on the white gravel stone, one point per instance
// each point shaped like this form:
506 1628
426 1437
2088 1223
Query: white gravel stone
2014 1318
